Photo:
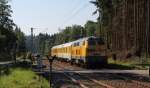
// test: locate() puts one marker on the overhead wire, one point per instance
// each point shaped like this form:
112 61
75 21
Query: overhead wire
75 14
73 9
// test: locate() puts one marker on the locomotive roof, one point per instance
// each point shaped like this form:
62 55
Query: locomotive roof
71 43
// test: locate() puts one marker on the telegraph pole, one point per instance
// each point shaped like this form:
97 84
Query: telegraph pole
31 40
50 59
148 25
148 30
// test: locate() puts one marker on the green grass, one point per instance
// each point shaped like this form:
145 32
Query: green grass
125 65
22 78
128 64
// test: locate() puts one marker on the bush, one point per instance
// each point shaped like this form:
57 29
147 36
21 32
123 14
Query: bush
22 78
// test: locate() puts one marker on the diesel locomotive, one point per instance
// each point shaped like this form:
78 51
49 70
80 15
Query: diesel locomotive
88 51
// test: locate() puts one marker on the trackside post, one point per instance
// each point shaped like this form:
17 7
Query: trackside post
50 59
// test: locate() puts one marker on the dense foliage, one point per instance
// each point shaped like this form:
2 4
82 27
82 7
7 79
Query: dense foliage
20 42
9 39
125 26
22 78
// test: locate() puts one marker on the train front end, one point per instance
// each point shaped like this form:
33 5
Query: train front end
96 52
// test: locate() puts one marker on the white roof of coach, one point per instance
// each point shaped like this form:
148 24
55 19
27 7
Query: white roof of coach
67 44
71 43
63 45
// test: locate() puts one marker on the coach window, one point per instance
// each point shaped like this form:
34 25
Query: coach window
73 44
76 52
83 43
66 50
78 43
69 49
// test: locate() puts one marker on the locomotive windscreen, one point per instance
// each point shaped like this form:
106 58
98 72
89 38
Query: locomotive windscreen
91 42
94 41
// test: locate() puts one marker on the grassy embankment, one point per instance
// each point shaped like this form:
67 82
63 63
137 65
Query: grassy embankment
22 78
127 64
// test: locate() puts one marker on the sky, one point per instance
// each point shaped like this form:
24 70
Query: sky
48 16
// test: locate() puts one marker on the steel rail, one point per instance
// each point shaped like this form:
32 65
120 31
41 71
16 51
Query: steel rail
134 81
81 84
98 82
75 81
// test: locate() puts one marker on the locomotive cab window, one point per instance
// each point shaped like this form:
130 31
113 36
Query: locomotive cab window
91 42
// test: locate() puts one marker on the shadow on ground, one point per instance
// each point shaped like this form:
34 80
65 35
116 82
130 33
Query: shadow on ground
112 66
119 67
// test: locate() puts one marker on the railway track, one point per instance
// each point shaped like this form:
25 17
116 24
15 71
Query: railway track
86 82
112 81
101 80
142 81
82 81
118 81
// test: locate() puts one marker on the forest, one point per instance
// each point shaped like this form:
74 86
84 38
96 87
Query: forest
124 24
12 40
